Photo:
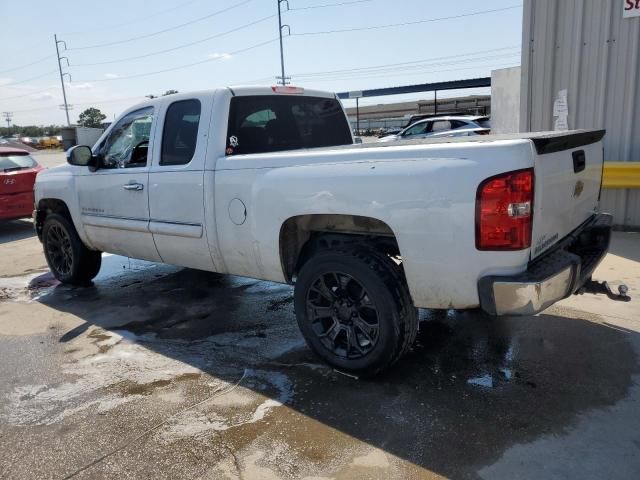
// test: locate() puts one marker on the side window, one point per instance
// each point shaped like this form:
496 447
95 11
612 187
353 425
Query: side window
128 143
416 129
459 124
180 133
441 126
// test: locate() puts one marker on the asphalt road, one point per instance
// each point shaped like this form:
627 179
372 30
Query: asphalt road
160 372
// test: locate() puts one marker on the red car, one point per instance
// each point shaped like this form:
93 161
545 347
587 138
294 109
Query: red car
17 175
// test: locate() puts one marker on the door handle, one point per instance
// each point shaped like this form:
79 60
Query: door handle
133 186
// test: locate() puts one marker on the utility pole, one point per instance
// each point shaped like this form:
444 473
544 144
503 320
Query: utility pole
283 79
64 92
7 116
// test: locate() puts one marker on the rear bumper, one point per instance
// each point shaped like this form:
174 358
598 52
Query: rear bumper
552 277
16 205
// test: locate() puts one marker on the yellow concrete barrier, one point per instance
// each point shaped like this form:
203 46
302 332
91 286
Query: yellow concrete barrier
621 175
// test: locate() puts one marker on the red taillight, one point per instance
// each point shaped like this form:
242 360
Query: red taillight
504 211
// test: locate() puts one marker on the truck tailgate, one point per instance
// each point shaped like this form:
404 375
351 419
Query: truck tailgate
568 176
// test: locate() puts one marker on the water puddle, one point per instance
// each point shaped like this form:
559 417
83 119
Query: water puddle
122 271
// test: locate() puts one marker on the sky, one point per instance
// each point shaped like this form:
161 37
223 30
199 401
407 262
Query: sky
118 51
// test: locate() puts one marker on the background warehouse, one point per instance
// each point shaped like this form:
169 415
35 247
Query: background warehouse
590 48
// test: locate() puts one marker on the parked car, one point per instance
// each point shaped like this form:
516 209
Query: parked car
229 181
450 126
18 172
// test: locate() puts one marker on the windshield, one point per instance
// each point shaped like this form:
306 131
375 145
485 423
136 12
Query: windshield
11 162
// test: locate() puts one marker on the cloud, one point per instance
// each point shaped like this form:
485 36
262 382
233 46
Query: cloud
111 75
42 96
81 86
221 56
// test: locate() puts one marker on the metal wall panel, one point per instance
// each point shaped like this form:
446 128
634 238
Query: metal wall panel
588 48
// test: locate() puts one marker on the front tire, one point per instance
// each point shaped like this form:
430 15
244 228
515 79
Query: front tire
354 310
68 258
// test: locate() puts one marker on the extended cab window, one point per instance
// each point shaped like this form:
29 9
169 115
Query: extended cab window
180 132
271 123
128 143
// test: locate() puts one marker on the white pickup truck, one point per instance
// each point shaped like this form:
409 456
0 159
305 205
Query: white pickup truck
268 183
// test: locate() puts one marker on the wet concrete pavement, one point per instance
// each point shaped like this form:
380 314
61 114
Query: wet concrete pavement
161 372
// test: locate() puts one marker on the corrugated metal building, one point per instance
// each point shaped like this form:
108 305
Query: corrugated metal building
589 49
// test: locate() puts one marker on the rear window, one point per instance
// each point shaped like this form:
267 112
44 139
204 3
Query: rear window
484 122
11 162
270 123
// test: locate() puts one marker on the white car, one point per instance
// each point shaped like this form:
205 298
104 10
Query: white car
442 126
231 181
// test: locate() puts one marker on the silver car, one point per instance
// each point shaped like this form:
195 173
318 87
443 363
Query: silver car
442 127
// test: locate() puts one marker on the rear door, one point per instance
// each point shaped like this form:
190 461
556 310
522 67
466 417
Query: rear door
568 175
176 194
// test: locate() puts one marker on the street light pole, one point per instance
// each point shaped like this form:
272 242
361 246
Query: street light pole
64 93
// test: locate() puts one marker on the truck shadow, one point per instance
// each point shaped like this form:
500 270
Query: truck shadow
12 230
471 387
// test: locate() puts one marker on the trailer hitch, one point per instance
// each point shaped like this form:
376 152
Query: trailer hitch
595 287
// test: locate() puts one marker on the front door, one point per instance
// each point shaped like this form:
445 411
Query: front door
114 200
176 183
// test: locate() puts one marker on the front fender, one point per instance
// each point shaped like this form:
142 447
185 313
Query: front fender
59 184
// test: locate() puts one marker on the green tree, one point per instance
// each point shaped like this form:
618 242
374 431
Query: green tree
91 117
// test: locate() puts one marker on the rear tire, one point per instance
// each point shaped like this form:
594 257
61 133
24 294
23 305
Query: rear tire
68 258
354 309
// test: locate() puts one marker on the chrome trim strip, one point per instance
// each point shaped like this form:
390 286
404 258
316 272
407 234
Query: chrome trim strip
187 230
118 223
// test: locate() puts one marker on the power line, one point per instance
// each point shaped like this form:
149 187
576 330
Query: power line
187 65
492 67
191 22
95 102
131 22
416 22
28 79
326 5
185 45
421 67
26 65
389 65
373 68
418 65
25 94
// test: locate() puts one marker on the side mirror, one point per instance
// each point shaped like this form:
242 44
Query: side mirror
81 156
